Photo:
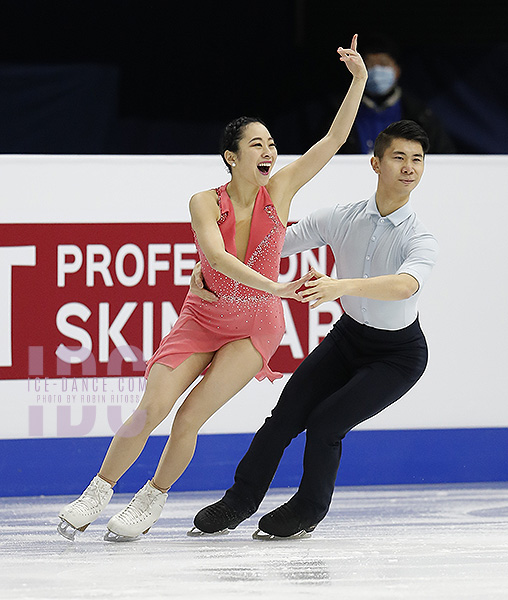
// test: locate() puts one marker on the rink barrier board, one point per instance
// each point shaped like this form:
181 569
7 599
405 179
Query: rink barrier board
59 466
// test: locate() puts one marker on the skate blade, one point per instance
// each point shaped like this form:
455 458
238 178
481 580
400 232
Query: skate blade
68 531
195 532
111 536
262 535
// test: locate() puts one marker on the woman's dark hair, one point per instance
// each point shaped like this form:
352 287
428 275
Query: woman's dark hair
406 130
232 135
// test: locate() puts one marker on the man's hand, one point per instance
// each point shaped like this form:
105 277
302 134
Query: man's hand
197 285
389 288
321 289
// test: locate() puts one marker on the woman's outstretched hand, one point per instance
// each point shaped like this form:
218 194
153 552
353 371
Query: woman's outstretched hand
290 290
353 60
282 290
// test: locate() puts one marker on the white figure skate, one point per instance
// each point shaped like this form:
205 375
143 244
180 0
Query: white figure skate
138 516
78 515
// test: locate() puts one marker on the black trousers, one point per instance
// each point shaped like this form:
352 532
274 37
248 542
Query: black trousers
354 373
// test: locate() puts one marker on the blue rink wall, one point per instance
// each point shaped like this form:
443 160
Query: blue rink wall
64 466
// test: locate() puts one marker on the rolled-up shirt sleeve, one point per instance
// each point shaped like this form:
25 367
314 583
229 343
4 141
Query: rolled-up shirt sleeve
421 254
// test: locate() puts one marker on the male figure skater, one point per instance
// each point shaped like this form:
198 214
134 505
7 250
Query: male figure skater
372 356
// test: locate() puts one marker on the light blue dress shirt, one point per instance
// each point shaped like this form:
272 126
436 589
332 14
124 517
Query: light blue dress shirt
365 244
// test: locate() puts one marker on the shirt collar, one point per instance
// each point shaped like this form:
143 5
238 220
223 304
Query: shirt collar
396 217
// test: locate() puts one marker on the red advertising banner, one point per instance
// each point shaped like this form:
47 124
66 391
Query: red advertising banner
94 300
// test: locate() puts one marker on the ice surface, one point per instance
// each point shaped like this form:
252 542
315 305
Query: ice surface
419 542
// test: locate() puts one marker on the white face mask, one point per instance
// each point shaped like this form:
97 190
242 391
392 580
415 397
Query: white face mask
381 80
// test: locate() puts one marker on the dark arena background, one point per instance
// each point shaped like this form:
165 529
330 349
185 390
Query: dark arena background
162 77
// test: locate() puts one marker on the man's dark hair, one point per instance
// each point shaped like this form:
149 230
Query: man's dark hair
406 130
232 135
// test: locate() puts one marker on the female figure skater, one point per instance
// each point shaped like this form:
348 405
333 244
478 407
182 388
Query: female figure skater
239 232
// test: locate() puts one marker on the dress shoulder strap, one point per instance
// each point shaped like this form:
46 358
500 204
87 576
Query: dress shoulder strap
224 212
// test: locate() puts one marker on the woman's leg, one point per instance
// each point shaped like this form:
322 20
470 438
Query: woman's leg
232 367
164 387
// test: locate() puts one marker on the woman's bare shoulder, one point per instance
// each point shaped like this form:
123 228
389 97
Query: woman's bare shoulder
205 200
204 196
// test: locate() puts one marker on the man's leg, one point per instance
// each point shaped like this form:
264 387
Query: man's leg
375 385
318 375
369 392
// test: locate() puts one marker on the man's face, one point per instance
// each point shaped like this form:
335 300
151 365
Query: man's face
401 167
381 59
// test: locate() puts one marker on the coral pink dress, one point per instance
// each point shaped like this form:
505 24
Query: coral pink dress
241 311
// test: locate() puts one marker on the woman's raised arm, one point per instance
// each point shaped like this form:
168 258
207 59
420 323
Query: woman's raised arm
286 182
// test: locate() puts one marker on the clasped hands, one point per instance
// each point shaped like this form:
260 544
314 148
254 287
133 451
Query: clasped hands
317 288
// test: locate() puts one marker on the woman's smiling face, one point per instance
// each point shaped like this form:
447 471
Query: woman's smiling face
256 154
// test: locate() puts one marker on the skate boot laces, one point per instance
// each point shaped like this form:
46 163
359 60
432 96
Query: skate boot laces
217 518
140 504
77 515
283 522
221 511
92 498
